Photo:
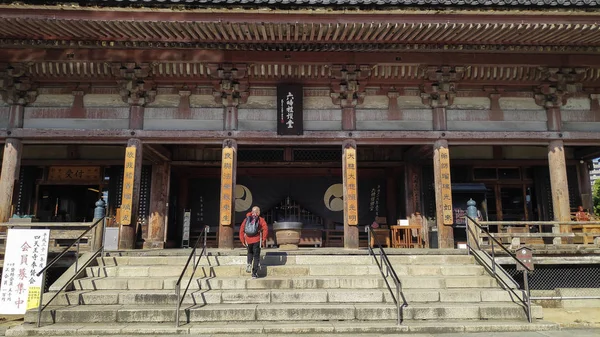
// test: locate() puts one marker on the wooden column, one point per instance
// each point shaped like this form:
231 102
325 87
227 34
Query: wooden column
127 233
445 232
348 118
227 204
349 172
585 184
15 116
11 161
391 193
439 118
559 184
554 118
159 199
136 117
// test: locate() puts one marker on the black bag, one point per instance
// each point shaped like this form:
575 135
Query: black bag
252 226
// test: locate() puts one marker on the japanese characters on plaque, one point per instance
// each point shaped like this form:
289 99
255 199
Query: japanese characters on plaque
128 182
289 109
226 187
26 253
446 187
74 173
351 188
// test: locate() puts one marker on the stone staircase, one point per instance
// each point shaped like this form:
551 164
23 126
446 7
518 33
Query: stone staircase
297 294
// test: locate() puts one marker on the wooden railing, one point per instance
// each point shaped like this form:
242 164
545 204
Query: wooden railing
553 232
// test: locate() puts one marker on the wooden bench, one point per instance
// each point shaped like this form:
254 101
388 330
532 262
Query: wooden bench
311 237
334 238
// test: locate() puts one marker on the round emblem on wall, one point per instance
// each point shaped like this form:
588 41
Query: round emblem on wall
333 198
243 198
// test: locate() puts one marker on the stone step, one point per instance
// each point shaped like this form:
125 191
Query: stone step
278 258
298 282
168 297
379 327
287 270
282 312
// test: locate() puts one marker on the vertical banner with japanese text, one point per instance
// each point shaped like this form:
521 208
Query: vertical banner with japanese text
446 187
128 182
226 186
26 253
289 109
351 197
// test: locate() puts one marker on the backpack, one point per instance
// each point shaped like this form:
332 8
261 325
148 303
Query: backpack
251 227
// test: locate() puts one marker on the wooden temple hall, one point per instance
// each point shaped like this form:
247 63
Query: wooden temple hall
337 114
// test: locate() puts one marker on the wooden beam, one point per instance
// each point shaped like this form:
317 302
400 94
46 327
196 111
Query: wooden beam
285 16
587 153
60 136
282 57
159 151
10 169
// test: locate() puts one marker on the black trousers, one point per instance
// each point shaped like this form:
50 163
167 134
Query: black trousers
254 256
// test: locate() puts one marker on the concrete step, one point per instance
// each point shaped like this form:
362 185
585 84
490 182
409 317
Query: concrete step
298 282
282 312
287 270
280 258
380 327
168 297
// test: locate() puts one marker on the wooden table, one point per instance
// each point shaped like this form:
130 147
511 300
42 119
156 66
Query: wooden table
402 236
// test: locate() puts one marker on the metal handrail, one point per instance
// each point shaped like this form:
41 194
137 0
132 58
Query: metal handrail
389 272
77 270
195 263
526 300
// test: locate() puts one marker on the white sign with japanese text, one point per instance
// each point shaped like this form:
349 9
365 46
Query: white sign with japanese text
25 256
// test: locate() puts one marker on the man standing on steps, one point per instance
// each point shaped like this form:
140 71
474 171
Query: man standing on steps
253 232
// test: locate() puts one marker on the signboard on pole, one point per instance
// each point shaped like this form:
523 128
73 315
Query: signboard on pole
446 186
25 256
128 182
226 186
351 197
187 217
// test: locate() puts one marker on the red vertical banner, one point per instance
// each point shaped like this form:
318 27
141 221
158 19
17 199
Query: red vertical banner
226 187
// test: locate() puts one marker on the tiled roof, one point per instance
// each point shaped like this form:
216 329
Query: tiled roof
294 3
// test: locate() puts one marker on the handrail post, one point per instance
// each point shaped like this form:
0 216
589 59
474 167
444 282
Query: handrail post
397 302
493 258
39 318
178 291
77 257
527 293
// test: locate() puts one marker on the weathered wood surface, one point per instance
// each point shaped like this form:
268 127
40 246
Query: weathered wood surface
11 161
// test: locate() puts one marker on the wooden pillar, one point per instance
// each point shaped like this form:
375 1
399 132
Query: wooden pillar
412 186
136 117
350 175
559 184
227 204
159 198
439 118
348 117
230 114
127 233
11 161
445 232
391 193
554 118
585 184
15 116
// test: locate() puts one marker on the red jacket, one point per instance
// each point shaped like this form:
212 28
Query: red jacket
254 239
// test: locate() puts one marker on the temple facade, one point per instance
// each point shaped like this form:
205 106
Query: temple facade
336 114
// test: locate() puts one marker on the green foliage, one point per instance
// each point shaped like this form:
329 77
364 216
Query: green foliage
596 197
